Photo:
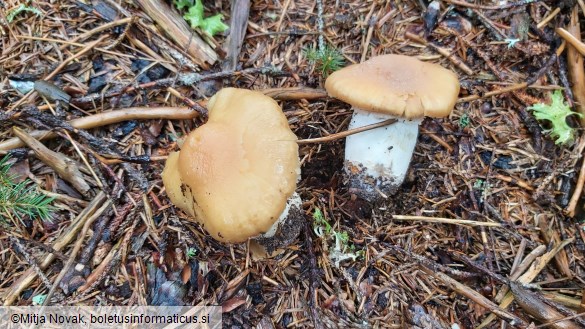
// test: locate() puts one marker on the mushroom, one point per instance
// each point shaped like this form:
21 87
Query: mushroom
384 87
237 174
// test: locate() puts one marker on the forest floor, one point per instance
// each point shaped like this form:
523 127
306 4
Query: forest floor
487 230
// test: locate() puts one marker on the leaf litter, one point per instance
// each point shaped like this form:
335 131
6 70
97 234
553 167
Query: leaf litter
487 163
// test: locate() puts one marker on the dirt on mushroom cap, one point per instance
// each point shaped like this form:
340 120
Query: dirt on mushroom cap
241 166
398 85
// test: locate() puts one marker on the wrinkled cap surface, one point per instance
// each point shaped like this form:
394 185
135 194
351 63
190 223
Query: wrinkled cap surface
235 173
398 85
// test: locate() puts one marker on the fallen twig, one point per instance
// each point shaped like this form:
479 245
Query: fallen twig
346 133
450 55
65 167
239 21
188 79
572 206
500 7
437 139
514 87
464 290
173 25
30 259
462 222
537 266
551 236
434 269
61 242
544 325
575 64
532 303
522 183
294 93
107 118
115 254
76 248
571 39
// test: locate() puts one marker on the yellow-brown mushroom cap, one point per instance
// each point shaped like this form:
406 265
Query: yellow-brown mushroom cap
235 173
398 85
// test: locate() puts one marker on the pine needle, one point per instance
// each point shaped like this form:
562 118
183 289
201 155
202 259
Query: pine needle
326 60
20 200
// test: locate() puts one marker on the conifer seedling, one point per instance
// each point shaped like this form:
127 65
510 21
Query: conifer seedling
18 200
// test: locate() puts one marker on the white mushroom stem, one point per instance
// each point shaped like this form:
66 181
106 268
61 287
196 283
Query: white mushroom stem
286 228
376 161
294 202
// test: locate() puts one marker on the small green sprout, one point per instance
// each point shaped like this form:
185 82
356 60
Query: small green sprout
39 299
191 252
479 184
21 9
18 199
511 42
321 227
211 25
343 249
464 120
483 187
326 60
557 113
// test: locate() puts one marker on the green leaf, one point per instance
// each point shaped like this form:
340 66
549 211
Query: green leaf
195 14
343 237
318 215
180 4
214 25
210 25
556 112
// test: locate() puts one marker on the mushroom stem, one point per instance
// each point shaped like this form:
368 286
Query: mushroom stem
376 161
286 228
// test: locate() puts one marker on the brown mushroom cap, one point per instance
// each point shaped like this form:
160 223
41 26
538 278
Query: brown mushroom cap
235 173
398 85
